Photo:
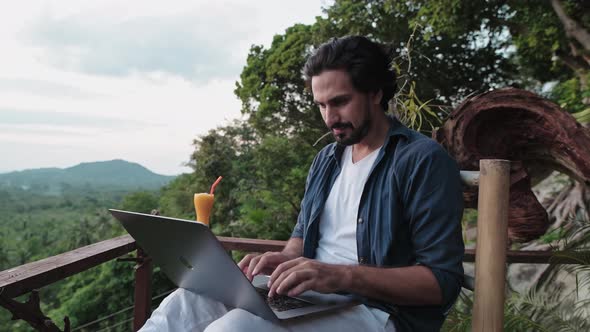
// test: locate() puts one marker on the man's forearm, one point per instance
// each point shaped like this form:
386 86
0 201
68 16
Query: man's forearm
293 248
412 285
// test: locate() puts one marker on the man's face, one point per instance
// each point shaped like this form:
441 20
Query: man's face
346 111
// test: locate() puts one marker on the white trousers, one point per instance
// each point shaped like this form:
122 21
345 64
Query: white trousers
186 311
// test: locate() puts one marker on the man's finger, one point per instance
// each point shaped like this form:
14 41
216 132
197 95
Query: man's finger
263 262
292 279
245 261
267 262
284 267
252 265
295 268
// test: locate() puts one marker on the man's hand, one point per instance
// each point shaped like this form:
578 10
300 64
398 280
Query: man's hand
254 264
299 275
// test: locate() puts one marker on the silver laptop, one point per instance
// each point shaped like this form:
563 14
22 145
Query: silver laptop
192 257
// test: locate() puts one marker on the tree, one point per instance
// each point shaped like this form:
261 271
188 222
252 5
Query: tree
550 43
433 66
264 179
140 201
550 39
272 88
270 196
223 151
444 67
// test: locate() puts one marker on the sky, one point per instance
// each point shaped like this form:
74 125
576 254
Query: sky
84 81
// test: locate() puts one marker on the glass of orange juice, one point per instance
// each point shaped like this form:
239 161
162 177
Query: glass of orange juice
203 207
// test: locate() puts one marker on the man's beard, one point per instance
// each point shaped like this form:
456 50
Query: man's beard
355 136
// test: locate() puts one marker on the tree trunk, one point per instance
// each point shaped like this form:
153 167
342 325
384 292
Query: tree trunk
572 28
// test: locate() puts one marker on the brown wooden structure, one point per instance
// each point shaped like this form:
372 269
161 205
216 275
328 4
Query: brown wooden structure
534 133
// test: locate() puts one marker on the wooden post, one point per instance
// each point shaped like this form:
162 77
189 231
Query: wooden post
143 290
492 237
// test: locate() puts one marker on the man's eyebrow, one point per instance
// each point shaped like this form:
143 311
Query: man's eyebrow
338 99
335 99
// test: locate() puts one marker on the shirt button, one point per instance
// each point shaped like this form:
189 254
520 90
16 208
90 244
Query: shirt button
360 220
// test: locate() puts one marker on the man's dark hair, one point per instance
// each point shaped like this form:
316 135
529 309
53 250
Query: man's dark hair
367 63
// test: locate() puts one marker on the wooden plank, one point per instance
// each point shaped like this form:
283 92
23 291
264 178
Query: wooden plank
24 278
527 257
251 245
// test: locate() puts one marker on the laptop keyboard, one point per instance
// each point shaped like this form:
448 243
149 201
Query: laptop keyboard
281 302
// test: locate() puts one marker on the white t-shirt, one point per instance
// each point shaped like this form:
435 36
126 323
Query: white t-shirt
337 244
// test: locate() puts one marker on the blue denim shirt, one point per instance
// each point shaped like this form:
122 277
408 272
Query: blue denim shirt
410 213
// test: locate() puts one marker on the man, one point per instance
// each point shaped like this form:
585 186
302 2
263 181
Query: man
380 217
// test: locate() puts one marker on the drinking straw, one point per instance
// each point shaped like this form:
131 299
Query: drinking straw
215 184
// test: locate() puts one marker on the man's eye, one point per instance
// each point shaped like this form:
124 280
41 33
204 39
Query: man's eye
340 102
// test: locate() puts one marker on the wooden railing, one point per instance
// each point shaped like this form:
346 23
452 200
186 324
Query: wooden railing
32 276
29 277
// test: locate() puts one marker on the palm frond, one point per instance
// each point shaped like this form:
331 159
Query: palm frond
582 116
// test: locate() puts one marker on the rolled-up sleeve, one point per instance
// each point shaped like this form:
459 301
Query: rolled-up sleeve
298 229
434 207
299 226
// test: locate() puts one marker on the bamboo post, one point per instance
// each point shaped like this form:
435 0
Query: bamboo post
492 237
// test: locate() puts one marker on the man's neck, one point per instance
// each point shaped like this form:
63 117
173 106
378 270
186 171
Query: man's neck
374 139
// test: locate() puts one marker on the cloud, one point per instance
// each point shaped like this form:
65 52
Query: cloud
20 117
197 45
45 88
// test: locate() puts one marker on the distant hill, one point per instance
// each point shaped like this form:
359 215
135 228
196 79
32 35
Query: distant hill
114 174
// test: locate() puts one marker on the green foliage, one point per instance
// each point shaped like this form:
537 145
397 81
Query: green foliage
103 290
553 235
264 179
34 226
140 201
570 95
527 34
574 244
546 311
459 318
271 194
272 88
177 198
468 222
545 306
445 67
583 116
540 37
527 31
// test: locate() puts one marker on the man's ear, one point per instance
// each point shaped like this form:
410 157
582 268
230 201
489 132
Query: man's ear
376 97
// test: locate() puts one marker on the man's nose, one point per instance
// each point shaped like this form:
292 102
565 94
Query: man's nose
331 116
